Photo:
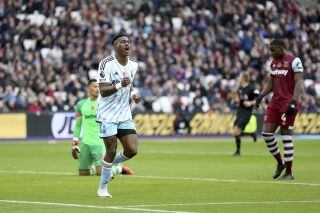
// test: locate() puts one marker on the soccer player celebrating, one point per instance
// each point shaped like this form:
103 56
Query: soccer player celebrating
286 82
92 147
246 94
115 74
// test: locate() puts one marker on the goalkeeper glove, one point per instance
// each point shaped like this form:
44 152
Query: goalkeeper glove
291 108
75 148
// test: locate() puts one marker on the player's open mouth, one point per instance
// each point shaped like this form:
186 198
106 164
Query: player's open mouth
127 49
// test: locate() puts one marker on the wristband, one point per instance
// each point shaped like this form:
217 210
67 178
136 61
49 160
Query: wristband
118 86
75 142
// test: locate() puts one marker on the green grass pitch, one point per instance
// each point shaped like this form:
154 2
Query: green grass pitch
171 175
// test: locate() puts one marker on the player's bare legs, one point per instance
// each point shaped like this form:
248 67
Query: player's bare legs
287 153
130 145
111 148
268 136
236 133
107 163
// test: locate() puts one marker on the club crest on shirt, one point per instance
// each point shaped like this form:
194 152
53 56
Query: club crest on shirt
286 64
102 75
299 65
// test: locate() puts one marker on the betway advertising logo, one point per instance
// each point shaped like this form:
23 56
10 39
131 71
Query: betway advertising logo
279 72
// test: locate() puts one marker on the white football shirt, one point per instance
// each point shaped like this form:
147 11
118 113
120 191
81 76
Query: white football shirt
115 108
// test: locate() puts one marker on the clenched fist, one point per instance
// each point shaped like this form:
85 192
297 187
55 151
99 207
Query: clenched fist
125 82
136 98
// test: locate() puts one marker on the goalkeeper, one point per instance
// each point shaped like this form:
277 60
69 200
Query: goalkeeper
91 150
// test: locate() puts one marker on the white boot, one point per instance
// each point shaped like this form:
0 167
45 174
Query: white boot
104 193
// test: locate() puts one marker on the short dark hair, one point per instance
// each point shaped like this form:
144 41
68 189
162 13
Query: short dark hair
278 42
118 36
91 81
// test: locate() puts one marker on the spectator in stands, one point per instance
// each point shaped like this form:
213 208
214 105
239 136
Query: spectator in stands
34 105
181 124
49 49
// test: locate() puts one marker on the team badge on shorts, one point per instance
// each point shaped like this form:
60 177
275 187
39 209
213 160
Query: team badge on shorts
103 128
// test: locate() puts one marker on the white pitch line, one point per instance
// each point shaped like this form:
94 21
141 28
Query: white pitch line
217 153
173 178
91 206
222 180
228 203
38 172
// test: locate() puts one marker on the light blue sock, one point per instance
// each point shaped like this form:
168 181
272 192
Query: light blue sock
120 158
105 174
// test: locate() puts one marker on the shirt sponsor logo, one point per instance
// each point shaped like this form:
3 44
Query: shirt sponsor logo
90 116
114 82
279 72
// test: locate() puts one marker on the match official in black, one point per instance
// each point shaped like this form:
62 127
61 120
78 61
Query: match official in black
246 99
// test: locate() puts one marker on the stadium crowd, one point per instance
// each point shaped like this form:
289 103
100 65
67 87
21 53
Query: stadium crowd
190 51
